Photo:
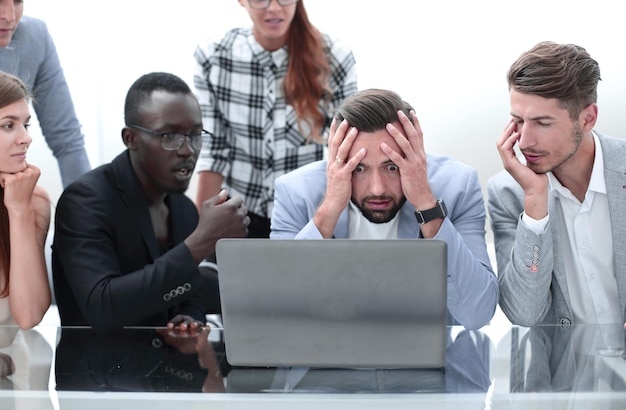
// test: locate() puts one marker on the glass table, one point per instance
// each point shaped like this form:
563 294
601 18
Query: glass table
542 367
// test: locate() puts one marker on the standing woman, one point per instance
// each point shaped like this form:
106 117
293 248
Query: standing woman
24 215
268 94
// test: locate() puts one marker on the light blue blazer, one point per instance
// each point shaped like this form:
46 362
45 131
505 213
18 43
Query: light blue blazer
32 57
472 286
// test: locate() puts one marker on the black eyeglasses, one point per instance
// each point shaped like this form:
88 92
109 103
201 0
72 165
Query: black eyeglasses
172 142
263 4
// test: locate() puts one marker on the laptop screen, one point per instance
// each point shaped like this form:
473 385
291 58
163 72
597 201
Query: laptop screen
333 303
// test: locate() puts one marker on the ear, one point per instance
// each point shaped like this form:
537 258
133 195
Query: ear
588 117
129 138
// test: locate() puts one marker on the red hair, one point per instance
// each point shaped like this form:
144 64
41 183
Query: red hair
306 81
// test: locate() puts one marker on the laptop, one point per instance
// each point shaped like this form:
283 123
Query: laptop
333 303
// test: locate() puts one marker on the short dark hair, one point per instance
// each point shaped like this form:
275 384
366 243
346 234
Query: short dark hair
142 90
372 109
562 71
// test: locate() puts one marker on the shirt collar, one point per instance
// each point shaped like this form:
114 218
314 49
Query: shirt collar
277 56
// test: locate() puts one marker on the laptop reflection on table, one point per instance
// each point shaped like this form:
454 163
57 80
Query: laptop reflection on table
466 370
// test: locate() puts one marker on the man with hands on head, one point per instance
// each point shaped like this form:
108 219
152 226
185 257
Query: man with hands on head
128 241
379 183
559 215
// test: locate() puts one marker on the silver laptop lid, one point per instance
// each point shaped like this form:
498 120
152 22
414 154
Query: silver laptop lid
333 303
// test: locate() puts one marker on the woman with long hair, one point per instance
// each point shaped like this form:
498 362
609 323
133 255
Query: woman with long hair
24 215
268 94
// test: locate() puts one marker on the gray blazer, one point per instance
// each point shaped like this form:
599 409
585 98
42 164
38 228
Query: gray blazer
529 298
32 57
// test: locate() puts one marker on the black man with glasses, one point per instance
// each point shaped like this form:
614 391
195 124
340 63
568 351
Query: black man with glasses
268 94
128 241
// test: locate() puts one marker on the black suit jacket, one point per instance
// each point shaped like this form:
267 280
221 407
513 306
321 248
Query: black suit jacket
108 271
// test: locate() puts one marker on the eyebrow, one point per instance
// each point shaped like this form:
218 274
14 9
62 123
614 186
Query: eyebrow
537 118
170 126
12 117
382 164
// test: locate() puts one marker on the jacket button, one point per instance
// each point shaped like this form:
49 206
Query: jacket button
565 323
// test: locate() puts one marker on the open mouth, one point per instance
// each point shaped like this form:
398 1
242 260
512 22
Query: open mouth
184 171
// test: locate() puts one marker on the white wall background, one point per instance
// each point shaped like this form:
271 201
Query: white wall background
448 58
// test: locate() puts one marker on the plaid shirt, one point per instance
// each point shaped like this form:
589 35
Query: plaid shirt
255 133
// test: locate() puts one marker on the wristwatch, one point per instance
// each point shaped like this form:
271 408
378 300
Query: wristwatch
439 211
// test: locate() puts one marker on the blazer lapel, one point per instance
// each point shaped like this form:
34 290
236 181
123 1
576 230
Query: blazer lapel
135 200
408 227
183 219
615 177
556 221
343 224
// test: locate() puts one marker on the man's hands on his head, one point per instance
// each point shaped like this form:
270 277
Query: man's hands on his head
411 161
338 177
413 167
219 218
535 185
